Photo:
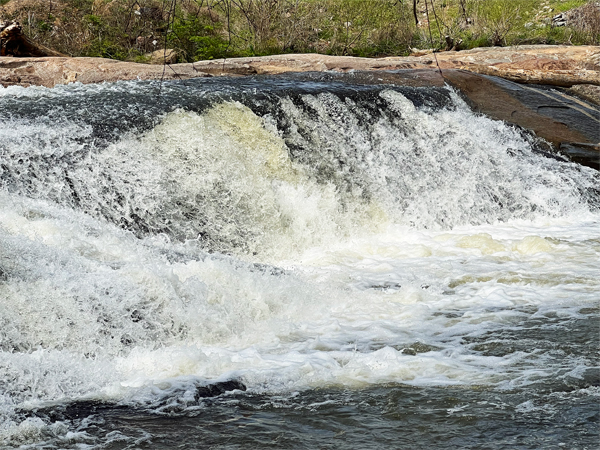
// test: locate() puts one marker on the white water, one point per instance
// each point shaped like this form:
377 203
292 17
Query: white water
446 235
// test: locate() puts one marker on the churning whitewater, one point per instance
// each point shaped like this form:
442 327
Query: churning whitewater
324 244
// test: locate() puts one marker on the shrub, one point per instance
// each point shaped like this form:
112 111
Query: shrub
205 29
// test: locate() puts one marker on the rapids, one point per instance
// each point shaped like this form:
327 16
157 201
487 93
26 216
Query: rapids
350 253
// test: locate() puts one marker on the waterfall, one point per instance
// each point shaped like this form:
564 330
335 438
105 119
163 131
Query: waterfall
295 235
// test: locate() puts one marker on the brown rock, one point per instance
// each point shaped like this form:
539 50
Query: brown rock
492 99
541 64
163 56
566 123
50 72
544 64
558 65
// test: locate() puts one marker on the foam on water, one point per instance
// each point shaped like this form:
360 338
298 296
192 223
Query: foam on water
302 248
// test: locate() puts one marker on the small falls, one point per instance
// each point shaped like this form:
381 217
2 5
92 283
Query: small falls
283 171
298 234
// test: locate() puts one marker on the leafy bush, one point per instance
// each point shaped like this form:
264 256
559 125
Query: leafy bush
205 29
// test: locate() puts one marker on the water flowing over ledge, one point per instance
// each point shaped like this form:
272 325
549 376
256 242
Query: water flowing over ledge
569 124
373 261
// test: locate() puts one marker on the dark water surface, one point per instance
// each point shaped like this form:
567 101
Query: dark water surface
383 417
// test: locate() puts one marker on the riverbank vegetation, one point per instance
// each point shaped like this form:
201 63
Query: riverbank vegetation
192 30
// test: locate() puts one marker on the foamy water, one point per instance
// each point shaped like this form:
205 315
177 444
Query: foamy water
297 242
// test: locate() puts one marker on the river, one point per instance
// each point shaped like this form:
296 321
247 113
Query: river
356 266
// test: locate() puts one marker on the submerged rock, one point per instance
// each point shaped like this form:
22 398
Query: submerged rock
216 389
85 408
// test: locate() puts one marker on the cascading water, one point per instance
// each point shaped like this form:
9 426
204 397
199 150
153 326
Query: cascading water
347 252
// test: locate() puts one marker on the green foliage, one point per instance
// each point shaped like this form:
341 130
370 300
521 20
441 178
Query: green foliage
207 29
501 18
479 23
209 47
92 20
44 26
105 48
198 37
565 5
370 27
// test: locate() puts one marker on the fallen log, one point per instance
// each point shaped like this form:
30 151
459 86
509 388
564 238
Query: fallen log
13 42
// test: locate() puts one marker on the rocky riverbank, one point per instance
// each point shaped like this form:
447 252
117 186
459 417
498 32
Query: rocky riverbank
541 64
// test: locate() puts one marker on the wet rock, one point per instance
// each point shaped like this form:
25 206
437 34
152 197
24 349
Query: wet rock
588 92
70 411
216 389
84 408
582 153
570 125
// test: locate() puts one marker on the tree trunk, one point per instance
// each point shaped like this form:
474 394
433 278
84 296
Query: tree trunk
415 12
13 42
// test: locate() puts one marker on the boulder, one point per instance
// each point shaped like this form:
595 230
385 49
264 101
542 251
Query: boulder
163 56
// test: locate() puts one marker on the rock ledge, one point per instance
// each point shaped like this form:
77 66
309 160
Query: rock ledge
542 64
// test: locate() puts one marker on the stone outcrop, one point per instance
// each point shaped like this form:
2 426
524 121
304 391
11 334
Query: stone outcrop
542 64
50 72
539 64
569 125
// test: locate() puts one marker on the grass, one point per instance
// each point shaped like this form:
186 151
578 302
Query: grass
206 29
